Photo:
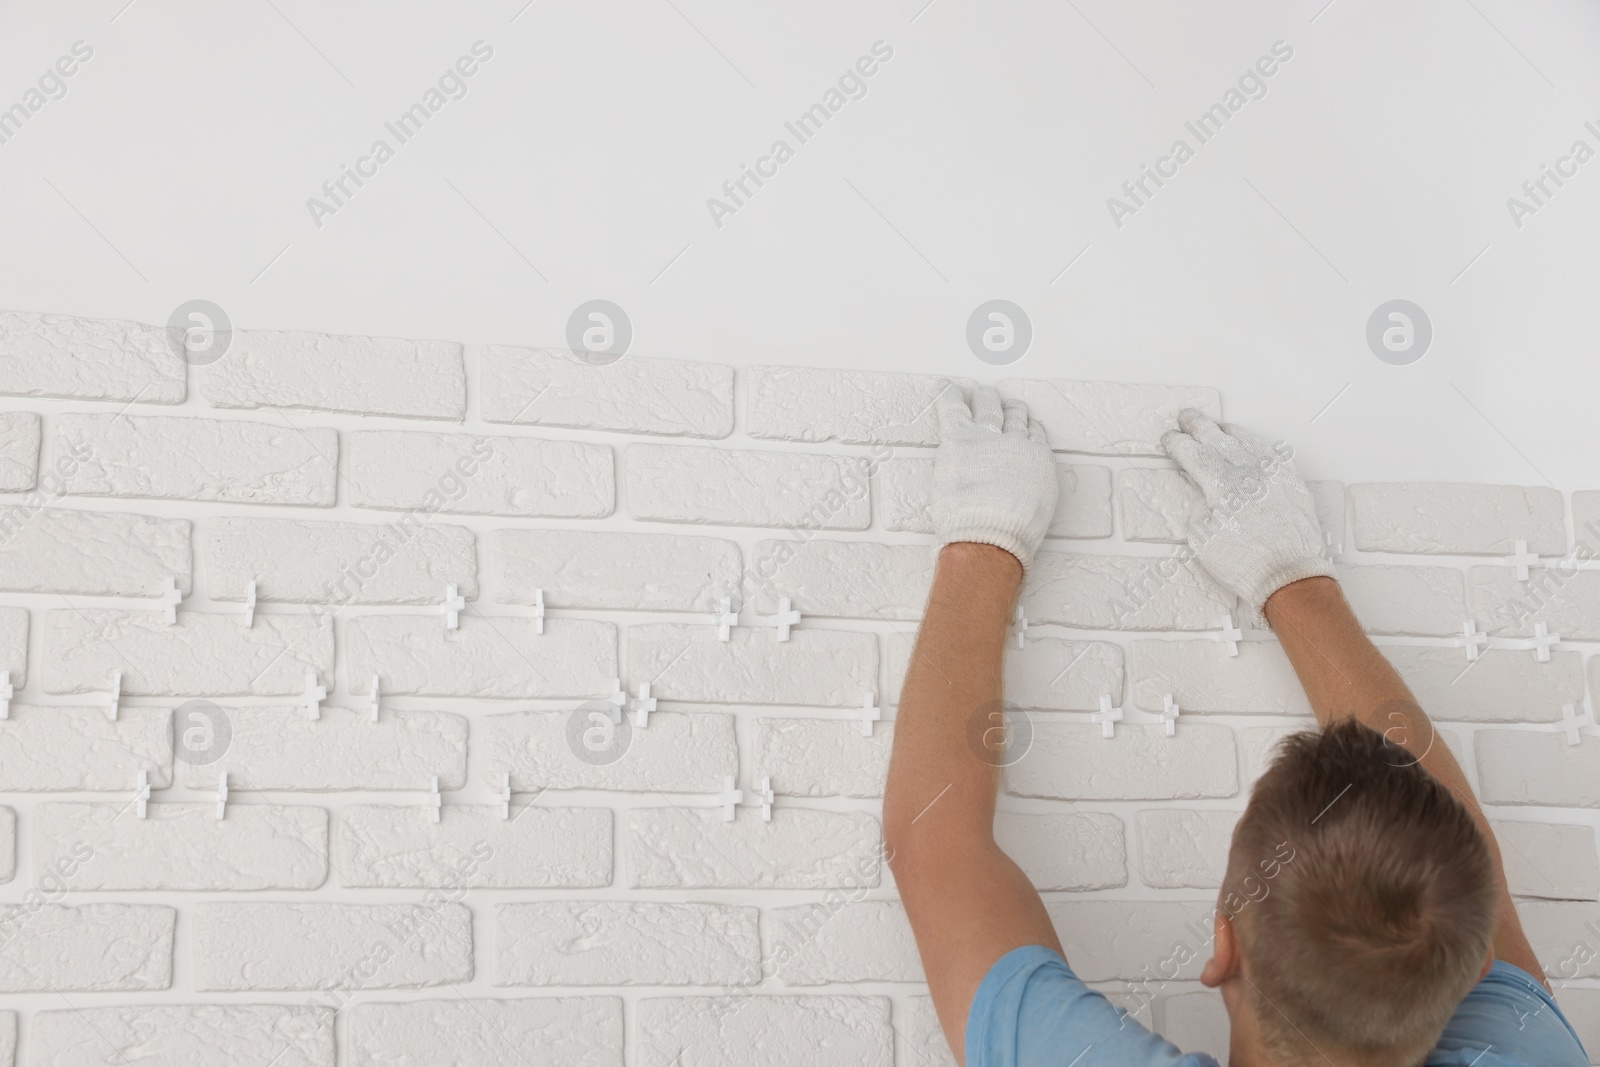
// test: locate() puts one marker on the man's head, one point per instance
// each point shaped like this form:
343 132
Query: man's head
1362 900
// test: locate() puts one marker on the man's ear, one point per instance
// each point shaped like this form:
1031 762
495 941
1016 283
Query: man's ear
1225 959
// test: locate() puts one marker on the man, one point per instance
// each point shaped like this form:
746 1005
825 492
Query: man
1365 919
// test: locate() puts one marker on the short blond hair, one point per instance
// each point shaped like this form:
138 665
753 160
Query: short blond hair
1364 897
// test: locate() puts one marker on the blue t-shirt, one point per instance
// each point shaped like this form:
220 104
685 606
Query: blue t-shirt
1032 1011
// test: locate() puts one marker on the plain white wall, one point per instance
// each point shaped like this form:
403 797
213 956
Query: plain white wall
977 166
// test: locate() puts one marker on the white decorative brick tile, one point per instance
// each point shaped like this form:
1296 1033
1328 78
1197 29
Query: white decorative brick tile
815 666
693 848
14 644
8 845
1586 519
484 657
904 488
1425 601
1155 504
1440 517
337 562
476 1032
836 940
1197 1022
1528 767
822 757
1259 746
88 359
1329 500
8 1038
673 753
1072 761
201 653
283 748
1581 1006
1182 848
195 1035
1046 673
1134 939
330 372
1083 510
467 474
592 569
690 483
19 450
1565 937
1502 685
1108 418
472 846
268 945
1201 677
842 579
922 1038
1567 601
60 749
90 948
635 394
774 1031
1556 861
231 461
579 943
1069 850
1122 593
186 847
857 407
92 553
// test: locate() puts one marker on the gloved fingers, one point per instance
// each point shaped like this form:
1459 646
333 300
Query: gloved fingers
986 407
1251 443
953 411
1015 417
1195 459
1036 432
1208 433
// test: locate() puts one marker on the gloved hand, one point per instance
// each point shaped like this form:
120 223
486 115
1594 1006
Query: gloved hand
994 477
1257 529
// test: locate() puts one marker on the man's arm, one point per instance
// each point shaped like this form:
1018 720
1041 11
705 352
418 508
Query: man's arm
1345 676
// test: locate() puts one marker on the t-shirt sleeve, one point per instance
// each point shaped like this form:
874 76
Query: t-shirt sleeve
1032 1011
1509 1017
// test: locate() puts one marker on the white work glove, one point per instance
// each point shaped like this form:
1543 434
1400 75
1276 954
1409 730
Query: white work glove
1257 530
994 477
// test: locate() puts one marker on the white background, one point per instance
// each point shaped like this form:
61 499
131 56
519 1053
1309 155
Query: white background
578 165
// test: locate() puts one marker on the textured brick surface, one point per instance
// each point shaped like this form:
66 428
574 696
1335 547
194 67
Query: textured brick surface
1073 761
283 748
1456 519
822 757
201 653
472 846
464 474
88 359
328 372
1048 673
1181 849
1566 937
922 1039
693 848
776 1031
336 562
195 1035
1155 504
1133 939
281 946
477 1032
231 461
634 395
1500 686
1520 767
60 749
577 943
1567 601
815 666
1582 1008
1197 1022
1425 601
1552 860
186 847
1083 509
1201 677
1108 418
858 407
19 450
14 644
686 483
1122 593
847 579
58 948
836 941
673 753
8 844
587 569
1076 851
484 657
93 553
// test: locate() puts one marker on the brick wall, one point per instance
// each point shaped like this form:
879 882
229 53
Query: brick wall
593 519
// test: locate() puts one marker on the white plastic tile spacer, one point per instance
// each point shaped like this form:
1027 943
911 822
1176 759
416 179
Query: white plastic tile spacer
1019 625
726 619
170 598
538 611
785 618
313 697
730 799
250 606
116 695
222 795
643 705
766 799
1332 551
1573 724
452 607
505 795
618 699
1107 717
141 796
1543 641
373 695
1522 559
435 801
1229 634
1472 640
6 693
870 713
1169 714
